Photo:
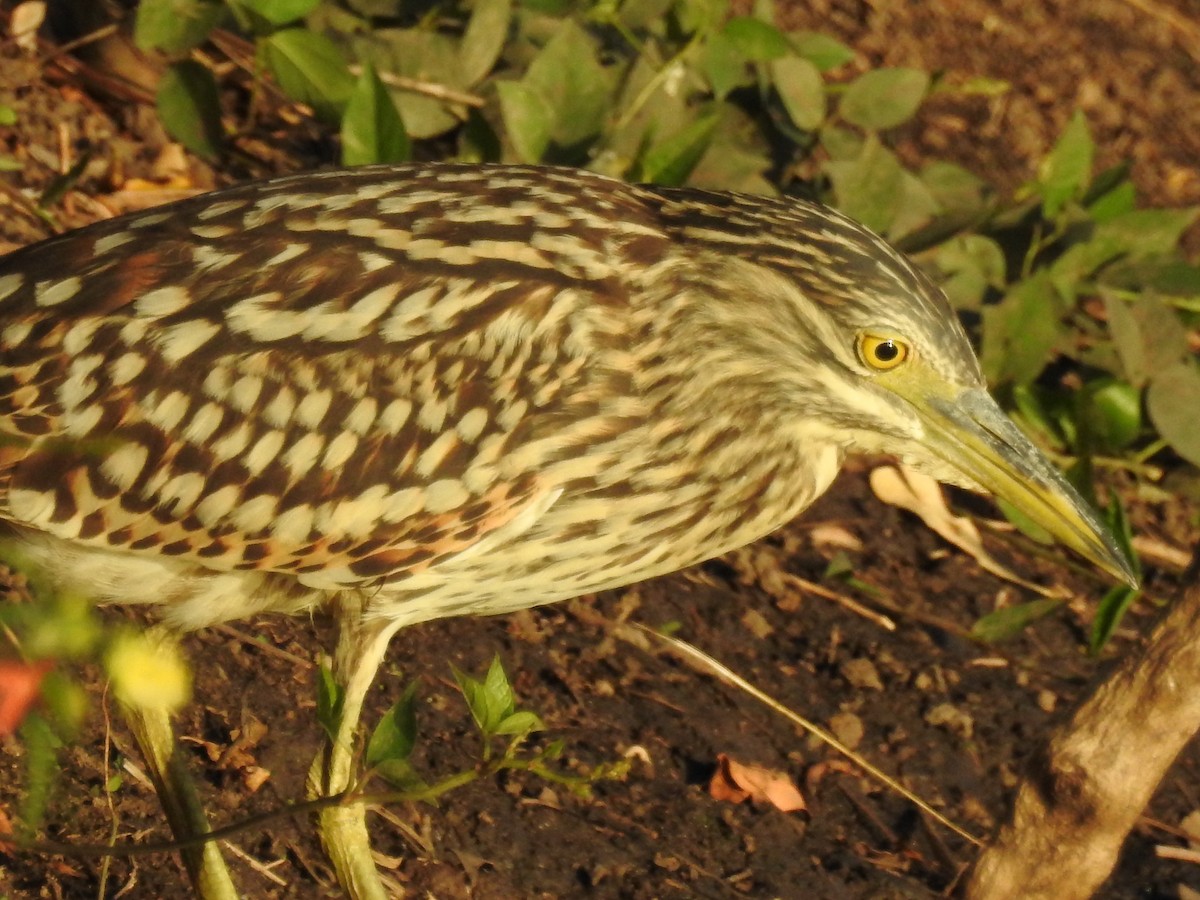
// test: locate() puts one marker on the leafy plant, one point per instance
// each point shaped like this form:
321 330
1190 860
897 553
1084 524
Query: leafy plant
493 707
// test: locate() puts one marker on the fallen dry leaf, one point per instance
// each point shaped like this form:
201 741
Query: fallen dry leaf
24 23
920 494
19 685
835 536
735 782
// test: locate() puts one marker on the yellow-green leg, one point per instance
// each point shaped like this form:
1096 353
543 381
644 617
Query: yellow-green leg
343 828
177 794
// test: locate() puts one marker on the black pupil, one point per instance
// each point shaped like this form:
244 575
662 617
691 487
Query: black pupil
886 351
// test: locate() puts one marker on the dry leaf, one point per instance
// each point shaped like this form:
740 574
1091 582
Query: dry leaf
920 494
1191 824
756 623
835 536
734 782
19 686
26 19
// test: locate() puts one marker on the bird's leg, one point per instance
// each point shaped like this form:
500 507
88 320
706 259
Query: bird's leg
206 868
343 827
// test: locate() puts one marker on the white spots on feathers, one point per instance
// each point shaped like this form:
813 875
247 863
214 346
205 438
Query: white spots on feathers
278 412
51 293
123 466
179 341
166 412
10 284
339 451
162 301
204 423
125 368
110 242
293 526
216 506
300 457
311 409
287 254
255 515
395 416
471 424
444 495
264 452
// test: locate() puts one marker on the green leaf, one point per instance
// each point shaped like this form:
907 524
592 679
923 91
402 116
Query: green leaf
884 98
1011 620
755 39
1147 232
528 119
484 39
724 65
310 69
1173 401
1122 532
1115 202
423 56
400 774
280 12
737 158
189 105
60 184
954 187
870 187
671 161
577 88
1065 171
1021 332
972 265
701 17
40 745
801 89
8 115
491 700
396 734
639 15
916 207
1149 337
842 144
372 130
520 723
499 691
175 26
330 699
821 50
1109 613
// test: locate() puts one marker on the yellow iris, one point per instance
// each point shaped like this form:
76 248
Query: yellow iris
881 353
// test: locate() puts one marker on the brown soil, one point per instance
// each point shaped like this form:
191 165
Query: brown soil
953 721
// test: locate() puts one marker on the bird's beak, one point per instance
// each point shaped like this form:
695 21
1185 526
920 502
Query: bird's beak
974 436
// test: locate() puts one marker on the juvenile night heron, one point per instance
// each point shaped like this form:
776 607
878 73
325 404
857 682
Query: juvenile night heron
420 391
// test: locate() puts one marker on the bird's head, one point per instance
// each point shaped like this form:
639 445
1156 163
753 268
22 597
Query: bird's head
868 351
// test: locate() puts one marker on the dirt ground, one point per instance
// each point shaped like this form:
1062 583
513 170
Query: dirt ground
953 721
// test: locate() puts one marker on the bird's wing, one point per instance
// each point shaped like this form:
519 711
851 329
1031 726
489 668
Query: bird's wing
337 398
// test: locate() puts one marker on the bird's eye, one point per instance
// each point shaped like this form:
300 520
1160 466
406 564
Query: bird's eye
881 353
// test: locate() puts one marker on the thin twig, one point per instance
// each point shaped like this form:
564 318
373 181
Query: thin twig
251 641
851 604
263 869
425 88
